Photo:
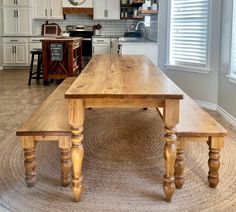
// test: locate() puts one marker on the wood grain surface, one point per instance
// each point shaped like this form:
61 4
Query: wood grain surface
51 118
194 121
123 77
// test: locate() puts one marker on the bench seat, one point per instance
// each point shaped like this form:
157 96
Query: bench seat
195 124
48 123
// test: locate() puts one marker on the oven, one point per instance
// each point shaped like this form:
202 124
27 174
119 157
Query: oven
86 32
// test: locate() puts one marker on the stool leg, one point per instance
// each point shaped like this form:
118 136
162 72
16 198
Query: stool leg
28 145
39 67
31 69
215 144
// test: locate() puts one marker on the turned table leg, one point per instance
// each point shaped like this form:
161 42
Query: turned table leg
76 120
28 144
65 147
215 145
179 164
171 119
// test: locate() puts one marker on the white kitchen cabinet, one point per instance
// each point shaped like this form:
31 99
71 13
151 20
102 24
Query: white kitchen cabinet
17 21
140 48
15 51
101 46
13 3
48 9
106 9
86 4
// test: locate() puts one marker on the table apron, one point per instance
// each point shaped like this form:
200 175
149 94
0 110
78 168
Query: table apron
122 103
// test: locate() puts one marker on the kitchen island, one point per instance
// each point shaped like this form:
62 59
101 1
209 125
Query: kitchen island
61 58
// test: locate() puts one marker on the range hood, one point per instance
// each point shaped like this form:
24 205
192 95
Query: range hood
77 10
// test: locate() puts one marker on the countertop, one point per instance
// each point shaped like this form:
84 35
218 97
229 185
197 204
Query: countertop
63 39
123 40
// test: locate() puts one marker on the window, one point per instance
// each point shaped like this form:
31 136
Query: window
233 54
188 35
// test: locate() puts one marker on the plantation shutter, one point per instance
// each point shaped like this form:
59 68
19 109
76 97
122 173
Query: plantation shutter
233 64
189 33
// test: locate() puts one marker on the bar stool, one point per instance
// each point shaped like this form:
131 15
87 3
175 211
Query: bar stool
38 74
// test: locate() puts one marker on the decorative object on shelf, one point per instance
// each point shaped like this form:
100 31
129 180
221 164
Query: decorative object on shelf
76 3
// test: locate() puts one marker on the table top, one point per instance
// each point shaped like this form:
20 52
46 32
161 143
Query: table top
115 76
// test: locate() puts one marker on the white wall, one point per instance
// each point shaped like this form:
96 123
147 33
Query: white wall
203 87
227 90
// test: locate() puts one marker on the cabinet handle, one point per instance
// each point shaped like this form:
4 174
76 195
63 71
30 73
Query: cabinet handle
14 14
100 40
12 49
16 1
51 12
105 13
46 12
13 40
17 14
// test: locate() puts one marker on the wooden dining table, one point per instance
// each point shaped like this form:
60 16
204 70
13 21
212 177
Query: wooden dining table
111 81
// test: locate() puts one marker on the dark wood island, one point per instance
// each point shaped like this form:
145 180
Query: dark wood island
61 58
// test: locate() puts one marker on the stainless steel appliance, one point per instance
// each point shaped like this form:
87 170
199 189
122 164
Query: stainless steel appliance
86 32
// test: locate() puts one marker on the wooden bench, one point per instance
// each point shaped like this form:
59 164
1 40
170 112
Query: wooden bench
48 123
197 125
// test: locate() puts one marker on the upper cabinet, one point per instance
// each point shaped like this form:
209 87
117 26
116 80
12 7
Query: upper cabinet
16 21
48 9
86 4
23 3
106 9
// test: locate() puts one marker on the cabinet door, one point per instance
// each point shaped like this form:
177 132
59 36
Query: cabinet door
99 10
9 21
24 3
100 49
41 9
8 54
113 7
9 3
21 54
55 9
24 21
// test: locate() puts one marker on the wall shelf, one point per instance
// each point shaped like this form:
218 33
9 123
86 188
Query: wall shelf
149 12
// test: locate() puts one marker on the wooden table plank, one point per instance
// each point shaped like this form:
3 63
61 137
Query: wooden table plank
123 77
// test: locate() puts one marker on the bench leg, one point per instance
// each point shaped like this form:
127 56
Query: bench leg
28 144
215 145
171 119
76 120
179 163
65 147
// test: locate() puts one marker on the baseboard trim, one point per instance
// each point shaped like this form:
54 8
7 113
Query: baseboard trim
220 110
226 115
1 68
207 105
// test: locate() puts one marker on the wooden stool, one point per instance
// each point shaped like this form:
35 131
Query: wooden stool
38 74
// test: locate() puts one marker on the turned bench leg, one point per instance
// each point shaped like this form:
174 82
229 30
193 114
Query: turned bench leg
65 147
28 144
179 163
215 145
76 120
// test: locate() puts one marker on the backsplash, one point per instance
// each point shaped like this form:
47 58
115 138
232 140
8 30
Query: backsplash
116 27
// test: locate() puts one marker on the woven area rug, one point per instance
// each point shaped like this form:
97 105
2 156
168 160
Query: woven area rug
123 163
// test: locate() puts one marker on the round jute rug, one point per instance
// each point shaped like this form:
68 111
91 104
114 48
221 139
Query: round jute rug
122 168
